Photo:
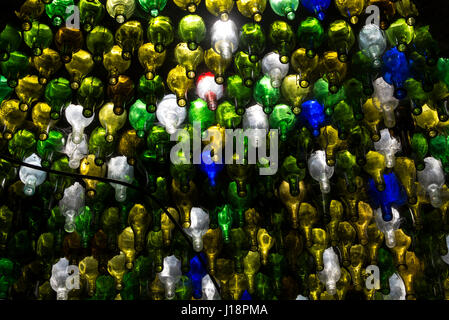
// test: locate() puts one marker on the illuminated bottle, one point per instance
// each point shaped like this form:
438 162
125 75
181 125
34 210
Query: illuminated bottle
265 94
170 114
285 8
179 84
224 38
11 117
281 36
31 178
187 5
39 37
400 34
120 10
90 95
305 67
252 9
91 13
317 7
28 91
192 29
249 71
252 40
272 67
129 36
99 41
57 11
238 92
294 93
115 64
58 94
79 66
150 92
217 64
47 64
283 119
110 121
373 43
310 35
341 38
220 8
189 59
153 7
208 90
150 59
68 41
160 32
121 94
30 11
351 9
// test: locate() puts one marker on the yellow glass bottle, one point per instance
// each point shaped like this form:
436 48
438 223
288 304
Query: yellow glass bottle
220 8
89 168
110 121
217 64
150 59
114 63
81 64
11 117
189 59
179 84
252 9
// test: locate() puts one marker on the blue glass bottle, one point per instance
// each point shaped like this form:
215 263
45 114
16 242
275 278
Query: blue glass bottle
318 7
313 116
396 71
393 195
209 167
196 274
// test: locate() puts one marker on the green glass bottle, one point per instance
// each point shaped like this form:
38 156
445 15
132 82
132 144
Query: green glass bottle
341 38
157 142
129 37
247 70
363 71
387 269
84 226
322 94
281 36
343 118
105 288
310 35
426 46
283 119
225 221
150 91
57 11
153 7
22 144
355 97
239 247
99 41
10 40
155 249
90 95
184 173
59 182
5 89
91 13
15 67
265 94
160 32
438 147
292 173
184 288
58 95
264 289
285 8
192 29
347 169
140 119
238 92
420 147
239 202
99 146
252 40
38 37
50 147
199 112
226 115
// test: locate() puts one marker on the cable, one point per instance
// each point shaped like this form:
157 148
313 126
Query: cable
80 177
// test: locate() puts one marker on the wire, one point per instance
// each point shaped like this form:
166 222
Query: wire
80 178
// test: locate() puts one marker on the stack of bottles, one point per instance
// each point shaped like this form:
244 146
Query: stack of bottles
88 106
